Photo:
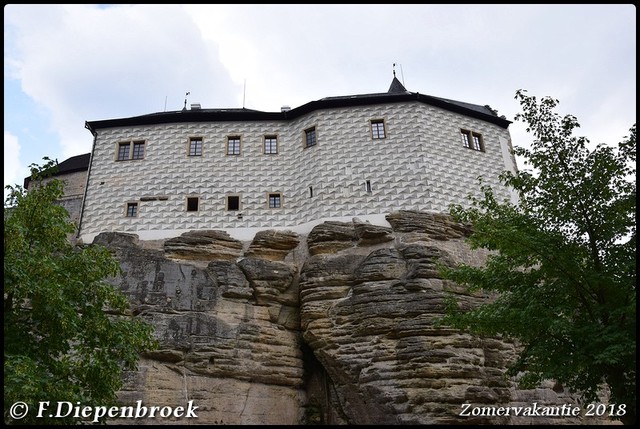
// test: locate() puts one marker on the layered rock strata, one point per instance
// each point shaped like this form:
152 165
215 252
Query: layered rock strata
338 326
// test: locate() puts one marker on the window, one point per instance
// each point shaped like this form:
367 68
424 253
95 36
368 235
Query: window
138 150
132 210
125 153
310 191
233 202
270 144
377 129
367 186
275 201
233 145
195 146
192 204
472 140
310 137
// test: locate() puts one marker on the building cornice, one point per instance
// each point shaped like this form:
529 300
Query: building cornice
223 115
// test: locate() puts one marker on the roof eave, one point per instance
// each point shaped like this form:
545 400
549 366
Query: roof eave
206 115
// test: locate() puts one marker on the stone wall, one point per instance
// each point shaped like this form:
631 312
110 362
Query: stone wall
421 164
336 327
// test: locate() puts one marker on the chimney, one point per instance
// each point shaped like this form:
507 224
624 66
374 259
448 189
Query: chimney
195 106
285 108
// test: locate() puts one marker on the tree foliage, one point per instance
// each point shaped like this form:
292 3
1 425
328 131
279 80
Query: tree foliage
68 334
562 267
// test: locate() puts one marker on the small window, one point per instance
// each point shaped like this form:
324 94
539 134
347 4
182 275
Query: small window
233 202
192 204
377 129
132 210
472 140
195 146
275 201
270 144
125 152
367 186
233 145
310 137
138 150
310 191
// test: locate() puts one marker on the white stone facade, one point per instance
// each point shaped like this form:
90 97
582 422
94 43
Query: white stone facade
421 164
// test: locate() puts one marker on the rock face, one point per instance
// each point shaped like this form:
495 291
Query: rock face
337 327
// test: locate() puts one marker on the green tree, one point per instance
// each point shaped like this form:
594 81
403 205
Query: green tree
68 334
562 265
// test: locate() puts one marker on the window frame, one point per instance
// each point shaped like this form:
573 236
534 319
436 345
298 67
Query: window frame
190 145
375 130
305 137
239 148
472 140
277 196
133 151
226 202
197 200
272 150
135 205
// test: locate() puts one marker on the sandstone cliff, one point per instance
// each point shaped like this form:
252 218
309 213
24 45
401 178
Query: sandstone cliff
335 327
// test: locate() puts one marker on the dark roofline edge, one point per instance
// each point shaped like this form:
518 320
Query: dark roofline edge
218 115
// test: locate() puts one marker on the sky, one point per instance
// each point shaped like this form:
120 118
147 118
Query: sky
67 64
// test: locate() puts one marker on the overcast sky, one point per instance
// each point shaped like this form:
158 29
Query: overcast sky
67 64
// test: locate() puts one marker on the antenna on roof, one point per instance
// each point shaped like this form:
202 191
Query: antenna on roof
185 101
401 72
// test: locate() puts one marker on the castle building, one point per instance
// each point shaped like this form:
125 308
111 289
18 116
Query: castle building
243 170
72 172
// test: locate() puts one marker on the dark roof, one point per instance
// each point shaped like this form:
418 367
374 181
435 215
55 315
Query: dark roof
396 93
69 165
396 86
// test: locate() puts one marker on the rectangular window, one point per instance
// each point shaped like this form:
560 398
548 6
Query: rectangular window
275 201
138 150
233 145
132 209
192 204
125 152
377 129
472 140
195 146
270 144
310 137
233 202
367 186
310 191
477 141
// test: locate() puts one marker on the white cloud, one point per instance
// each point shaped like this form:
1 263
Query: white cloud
81 63
14 172
84 62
